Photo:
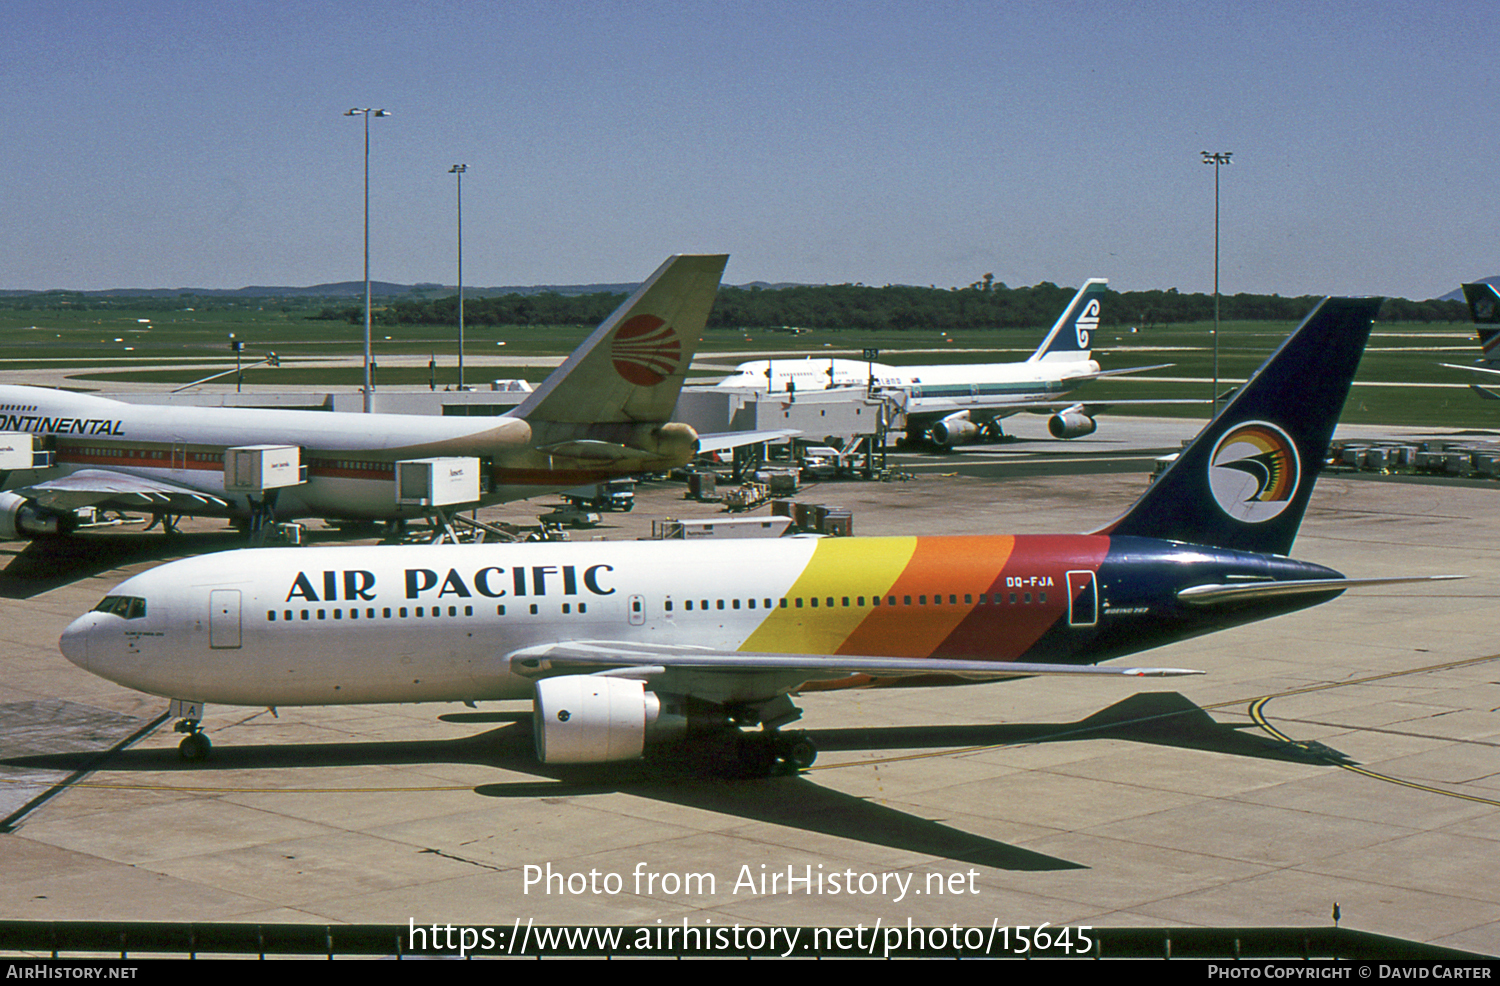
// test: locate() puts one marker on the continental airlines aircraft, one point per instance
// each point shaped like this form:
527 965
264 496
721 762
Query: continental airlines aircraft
959 403
602 413
626 645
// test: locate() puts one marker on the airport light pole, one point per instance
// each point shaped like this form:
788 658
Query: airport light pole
458 172
369 379
1216 158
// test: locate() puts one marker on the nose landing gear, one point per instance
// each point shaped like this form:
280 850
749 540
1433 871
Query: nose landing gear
195 745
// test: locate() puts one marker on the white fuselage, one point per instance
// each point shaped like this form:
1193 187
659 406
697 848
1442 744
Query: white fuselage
299 626
349 457
1021 381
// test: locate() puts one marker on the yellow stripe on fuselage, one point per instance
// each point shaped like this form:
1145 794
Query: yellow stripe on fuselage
839 567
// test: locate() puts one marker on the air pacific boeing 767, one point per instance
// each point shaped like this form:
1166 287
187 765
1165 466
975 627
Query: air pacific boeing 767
625 645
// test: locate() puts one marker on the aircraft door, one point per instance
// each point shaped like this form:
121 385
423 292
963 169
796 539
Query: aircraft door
1083 599
637 606
224 619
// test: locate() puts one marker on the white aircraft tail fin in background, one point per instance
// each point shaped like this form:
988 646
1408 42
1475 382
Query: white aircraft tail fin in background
632 368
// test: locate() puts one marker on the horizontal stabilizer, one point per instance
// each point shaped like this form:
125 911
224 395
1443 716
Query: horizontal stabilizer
1130 369
1477 368
726 440
1238 592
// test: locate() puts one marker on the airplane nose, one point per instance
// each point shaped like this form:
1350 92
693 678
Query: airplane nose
75 641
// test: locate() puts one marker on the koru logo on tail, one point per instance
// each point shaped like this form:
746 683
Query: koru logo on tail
1087 323
646 350
1254 471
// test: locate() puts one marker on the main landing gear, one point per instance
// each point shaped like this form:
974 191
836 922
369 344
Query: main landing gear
771 751
792 752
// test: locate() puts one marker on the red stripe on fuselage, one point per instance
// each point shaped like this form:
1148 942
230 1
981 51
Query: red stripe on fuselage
1036 568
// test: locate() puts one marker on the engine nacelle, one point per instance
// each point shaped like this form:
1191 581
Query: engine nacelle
588 718
22 519
1071 424
674 441
955 429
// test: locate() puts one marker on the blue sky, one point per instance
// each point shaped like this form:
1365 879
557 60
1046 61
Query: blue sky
154 143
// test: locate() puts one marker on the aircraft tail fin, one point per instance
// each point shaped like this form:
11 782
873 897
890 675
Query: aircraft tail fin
1484 306
632 367
1071 336
1244 482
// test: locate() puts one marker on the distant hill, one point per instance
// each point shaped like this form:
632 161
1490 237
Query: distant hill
1457 294
356 289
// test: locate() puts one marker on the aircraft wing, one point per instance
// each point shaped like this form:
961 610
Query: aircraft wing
934 408
734 439
118 491
719 675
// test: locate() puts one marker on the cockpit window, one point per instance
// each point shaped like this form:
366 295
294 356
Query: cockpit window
126 607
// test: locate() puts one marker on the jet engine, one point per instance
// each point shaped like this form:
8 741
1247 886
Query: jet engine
1071 424
22 519
587 718
955 429
674 440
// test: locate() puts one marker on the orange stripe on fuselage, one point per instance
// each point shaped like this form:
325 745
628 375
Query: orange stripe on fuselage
940 568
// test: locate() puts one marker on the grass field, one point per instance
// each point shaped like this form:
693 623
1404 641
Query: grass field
116 341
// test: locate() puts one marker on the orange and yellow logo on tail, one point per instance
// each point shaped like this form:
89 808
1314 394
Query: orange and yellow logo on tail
646 350
1254 471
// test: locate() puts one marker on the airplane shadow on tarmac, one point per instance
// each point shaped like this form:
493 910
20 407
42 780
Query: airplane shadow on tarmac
797 801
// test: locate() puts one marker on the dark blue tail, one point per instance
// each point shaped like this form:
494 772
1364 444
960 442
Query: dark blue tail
1245 480
1072 334
1484 306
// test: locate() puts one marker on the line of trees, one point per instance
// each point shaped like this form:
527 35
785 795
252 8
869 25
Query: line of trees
982 305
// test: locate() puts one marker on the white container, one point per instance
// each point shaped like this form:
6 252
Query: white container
441 482
257 468
16 450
